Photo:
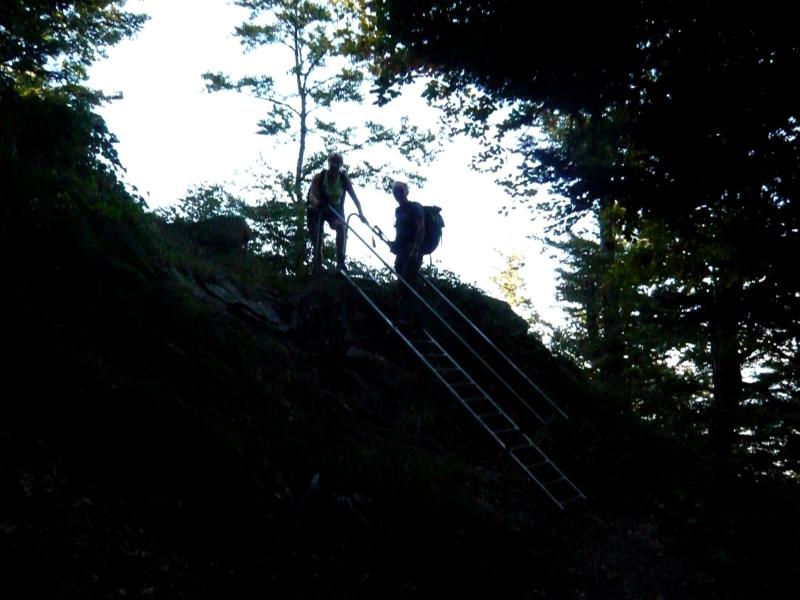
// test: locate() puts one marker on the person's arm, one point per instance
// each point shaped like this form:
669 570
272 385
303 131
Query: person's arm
348 186
314 190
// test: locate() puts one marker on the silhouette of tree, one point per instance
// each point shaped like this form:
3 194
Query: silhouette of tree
53 42
322 78
678 113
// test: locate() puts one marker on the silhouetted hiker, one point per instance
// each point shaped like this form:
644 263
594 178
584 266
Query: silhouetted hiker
409 225
326 195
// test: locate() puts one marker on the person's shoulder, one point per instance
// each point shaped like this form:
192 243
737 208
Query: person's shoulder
318 178
418 209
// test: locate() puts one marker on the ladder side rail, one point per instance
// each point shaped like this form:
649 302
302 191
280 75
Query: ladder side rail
552 465
486 338
539 483
477 417
505 446
444 322
389 322
469 321
494 404
428 364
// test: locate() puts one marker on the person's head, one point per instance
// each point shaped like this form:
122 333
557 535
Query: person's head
400 191
335 161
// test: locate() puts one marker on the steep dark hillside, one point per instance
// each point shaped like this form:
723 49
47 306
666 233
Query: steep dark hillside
180 423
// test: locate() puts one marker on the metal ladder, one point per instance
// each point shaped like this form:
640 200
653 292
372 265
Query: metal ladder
489 414
496 421
556 408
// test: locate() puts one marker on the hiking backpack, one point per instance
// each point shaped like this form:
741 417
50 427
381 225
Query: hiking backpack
433 228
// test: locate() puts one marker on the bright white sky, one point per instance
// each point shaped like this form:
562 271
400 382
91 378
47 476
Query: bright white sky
173 135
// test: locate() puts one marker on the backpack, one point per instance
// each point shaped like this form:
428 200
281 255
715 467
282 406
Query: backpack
433 229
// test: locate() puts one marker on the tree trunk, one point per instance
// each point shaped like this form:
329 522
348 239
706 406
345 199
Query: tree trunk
612 347
299 245
727 370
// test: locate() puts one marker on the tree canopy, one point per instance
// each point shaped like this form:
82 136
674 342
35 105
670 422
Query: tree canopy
679 118
303 96
52 42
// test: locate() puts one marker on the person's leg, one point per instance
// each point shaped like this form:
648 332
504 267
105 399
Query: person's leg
401 268
409 303
404 296
411 267
314 220
341 244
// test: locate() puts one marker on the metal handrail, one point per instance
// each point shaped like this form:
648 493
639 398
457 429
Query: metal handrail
385 318
552 403
512 451
375 229
494 434
425 303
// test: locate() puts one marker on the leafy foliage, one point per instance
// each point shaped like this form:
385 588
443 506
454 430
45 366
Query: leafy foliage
203 202
52 42
301 113
679 116
139 402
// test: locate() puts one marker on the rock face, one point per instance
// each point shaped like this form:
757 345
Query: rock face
223 232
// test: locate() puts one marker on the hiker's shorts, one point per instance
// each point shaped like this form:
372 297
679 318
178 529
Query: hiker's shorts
313 215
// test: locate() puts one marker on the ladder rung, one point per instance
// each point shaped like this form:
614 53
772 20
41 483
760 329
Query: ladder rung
490 414
508 430
552 481
435 357
571 498
537 465
521 447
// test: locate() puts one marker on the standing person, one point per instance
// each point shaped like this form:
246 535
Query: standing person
326 203
409 225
